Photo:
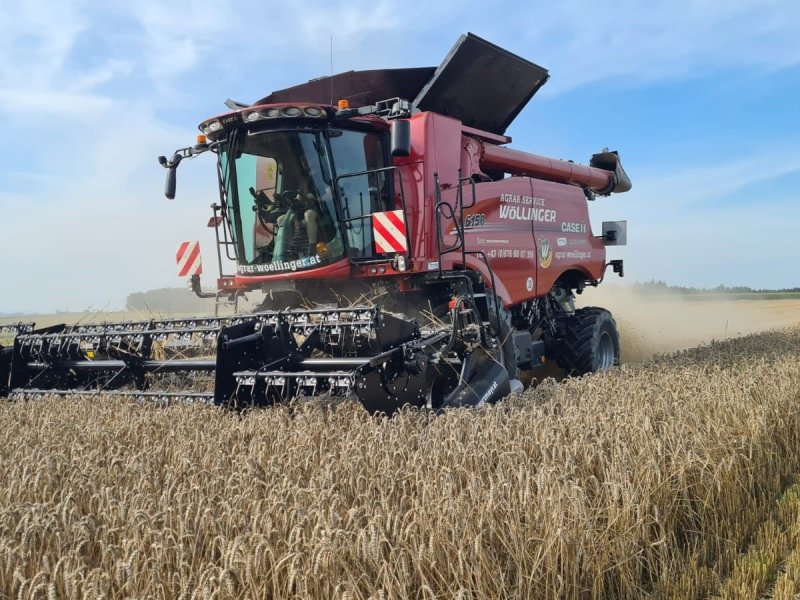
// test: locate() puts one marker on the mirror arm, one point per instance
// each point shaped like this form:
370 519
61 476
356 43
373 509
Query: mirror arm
172 164
182 153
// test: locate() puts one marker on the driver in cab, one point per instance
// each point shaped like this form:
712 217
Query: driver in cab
294 216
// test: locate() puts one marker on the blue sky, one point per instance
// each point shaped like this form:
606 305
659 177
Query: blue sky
699 97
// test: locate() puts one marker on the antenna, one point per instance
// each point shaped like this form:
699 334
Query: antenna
331 70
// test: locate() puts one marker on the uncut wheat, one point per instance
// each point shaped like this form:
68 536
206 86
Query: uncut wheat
648 481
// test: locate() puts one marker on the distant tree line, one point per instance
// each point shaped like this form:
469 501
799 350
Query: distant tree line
657 286
173 300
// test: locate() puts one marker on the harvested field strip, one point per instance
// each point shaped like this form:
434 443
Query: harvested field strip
770 567
656 480
758 568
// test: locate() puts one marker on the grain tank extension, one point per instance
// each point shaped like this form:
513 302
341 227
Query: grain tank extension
406 254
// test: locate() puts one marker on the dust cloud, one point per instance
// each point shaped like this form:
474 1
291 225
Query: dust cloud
657 323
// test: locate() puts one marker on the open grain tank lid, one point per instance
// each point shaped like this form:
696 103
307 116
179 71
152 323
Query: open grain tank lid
478 83
481 85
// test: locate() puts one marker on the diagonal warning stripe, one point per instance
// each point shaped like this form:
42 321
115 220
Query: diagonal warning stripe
395 217
389 231
385 240
186 253
382 245
188 259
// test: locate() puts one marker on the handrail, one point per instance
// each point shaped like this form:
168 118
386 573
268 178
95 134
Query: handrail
460 244
227 238
443 207
349 219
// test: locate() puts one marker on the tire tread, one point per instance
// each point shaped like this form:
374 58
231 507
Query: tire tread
576 348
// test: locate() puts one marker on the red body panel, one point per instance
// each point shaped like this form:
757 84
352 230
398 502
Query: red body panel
531 232
531 229
513 221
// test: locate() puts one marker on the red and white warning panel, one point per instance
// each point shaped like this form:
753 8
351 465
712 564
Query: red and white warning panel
389 230
189 260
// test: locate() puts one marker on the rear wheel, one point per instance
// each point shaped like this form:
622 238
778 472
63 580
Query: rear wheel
590 342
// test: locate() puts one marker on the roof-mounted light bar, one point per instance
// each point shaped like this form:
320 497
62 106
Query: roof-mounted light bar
215 125
314 112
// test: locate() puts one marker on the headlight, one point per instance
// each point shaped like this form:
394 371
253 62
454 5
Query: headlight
210 127
291 111
314 111
252 116
270 113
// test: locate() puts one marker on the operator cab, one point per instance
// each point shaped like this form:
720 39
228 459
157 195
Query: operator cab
300 192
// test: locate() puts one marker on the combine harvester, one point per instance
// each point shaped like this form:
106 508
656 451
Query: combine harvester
407 255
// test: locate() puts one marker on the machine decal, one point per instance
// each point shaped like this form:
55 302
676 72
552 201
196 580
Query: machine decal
562 241
281 266
476 220
527 213
189 259
525 208
492 389
545 253
511 253
569 227
574 255
524 200
389 229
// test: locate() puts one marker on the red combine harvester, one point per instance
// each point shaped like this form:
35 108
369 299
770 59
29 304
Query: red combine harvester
407 255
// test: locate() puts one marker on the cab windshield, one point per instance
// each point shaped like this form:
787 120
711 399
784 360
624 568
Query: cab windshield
282 191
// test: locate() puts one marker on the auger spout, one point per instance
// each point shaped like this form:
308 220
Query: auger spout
604 175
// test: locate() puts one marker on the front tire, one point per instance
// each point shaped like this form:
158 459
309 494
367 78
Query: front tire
590 342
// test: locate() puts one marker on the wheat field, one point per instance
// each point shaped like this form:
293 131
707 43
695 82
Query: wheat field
672 478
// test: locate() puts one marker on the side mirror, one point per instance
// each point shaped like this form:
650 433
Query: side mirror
401 137
169 188
172 166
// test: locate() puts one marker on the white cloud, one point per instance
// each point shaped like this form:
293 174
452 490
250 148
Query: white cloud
37 79
350 23
633 43
35 41
682 230
742 245
177 36
93 235
79 106
110 70
696 185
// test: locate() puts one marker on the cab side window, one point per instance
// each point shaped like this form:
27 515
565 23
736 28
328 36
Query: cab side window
356 156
